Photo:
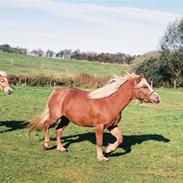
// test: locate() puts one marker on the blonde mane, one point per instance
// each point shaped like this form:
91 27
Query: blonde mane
112 86
2 73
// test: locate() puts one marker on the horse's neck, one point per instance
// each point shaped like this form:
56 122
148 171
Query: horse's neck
121 98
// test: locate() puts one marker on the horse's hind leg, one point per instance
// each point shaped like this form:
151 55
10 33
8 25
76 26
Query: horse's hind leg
46 138
119 139
59 130
47 124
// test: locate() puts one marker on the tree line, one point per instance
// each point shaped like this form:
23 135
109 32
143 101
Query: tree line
10 49
166 67
119 58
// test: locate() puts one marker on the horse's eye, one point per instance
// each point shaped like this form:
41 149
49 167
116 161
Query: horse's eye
145 86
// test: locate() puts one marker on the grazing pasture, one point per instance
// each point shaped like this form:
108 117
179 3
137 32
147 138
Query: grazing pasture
58 68
152 150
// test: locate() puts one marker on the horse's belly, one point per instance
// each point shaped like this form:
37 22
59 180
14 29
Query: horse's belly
82 122
78 119
88 116
90 122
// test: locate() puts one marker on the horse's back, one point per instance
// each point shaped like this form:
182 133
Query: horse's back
71 92
63 96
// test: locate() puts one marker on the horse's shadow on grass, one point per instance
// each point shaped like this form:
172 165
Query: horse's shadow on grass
128 142
12 125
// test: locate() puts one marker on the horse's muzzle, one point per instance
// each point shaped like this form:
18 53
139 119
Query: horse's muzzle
8 91
155 98
157 101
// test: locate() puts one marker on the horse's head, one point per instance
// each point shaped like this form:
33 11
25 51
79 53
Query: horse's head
143 91
4 84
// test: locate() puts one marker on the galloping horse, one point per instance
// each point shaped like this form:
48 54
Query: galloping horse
101 109
4 85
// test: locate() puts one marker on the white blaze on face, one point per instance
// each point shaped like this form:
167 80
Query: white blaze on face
143 82
147 84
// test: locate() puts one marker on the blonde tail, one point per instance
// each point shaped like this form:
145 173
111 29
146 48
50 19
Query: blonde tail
38 122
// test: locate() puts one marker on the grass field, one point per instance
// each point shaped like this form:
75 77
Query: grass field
152 150
29 65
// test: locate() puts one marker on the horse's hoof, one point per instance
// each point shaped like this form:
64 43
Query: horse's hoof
109 149
45 147
62 150
104 159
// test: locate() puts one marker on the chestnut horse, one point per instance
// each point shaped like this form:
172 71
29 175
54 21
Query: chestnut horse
4 84
100 109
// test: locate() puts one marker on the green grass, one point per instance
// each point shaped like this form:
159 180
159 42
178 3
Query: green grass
145 156
29 65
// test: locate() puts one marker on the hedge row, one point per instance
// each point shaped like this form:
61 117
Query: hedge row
81 80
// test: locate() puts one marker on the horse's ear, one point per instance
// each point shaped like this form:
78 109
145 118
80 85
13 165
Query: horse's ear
140 78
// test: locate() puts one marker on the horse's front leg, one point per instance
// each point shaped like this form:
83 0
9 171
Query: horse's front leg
99 142
119 139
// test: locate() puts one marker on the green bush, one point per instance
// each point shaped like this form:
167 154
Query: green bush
150 69
163 70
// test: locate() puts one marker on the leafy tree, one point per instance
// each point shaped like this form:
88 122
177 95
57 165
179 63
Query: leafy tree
76 54
150 68
6 48
65 54
171 67
37 52
60 54
173 37
9 49
49 53
166 68
172 52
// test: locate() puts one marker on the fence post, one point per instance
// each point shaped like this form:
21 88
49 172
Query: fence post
174 84
12 61
151 84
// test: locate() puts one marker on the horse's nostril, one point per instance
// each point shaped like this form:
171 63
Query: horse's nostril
9 92
158 100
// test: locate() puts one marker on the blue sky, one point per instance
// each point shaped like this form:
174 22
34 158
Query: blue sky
128 26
